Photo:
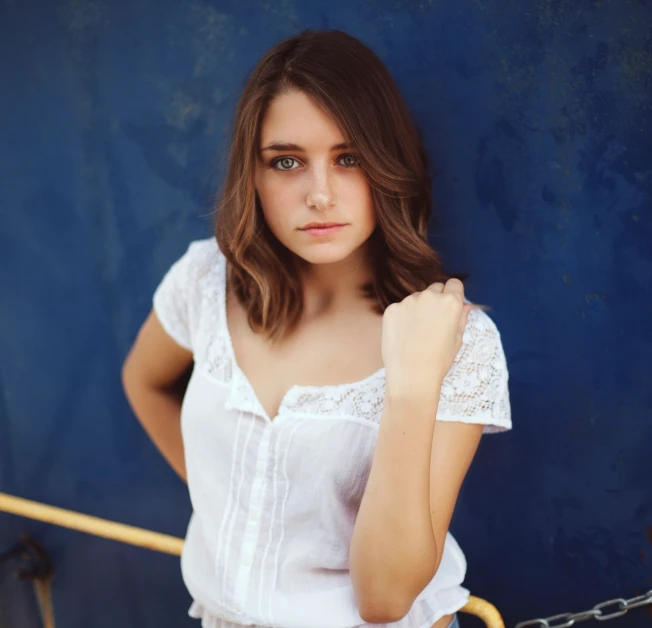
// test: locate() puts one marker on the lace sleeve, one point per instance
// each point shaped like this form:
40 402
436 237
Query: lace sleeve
172 300
475 389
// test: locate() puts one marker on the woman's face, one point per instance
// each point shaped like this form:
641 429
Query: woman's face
306 174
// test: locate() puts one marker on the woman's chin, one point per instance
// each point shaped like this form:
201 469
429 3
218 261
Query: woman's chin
323 255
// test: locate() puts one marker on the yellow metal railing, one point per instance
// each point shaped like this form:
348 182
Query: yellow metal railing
162 542
91 525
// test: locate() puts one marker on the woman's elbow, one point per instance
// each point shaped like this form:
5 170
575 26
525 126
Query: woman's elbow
386 603
383 612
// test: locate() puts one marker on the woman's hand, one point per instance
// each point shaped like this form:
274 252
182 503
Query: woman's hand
421 337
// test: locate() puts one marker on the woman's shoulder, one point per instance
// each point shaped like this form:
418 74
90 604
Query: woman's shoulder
204 253
475 389
482 345
481 341
200 267
202 259
481 321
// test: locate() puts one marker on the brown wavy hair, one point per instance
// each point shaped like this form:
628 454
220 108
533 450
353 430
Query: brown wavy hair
351 84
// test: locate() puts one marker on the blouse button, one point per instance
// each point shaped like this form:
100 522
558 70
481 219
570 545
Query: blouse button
238 608
246 561
254 515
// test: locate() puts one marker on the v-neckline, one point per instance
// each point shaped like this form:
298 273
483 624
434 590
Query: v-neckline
224 324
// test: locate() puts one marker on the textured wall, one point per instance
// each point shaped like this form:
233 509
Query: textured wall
538 117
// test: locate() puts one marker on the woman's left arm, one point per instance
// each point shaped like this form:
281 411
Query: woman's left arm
419 463
416 475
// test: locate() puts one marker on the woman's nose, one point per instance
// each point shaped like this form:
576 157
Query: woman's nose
320 192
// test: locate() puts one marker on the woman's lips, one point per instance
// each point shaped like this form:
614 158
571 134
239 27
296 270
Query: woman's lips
322 231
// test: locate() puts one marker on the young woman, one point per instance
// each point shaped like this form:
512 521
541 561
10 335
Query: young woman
341 380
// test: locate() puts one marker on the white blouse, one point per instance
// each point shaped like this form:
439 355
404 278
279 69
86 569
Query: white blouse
275 502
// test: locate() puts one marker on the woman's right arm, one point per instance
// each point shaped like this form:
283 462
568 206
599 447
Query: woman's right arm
151 375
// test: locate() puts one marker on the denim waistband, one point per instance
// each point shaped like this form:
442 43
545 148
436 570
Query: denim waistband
455 623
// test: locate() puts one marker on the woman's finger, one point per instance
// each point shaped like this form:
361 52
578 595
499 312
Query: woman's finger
454 285
436 287
465 314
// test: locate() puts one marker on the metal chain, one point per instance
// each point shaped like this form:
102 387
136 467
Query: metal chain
619 607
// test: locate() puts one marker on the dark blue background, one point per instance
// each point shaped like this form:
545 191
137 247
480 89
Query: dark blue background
538 118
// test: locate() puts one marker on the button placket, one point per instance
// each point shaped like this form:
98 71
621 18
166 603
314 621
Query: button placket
252 526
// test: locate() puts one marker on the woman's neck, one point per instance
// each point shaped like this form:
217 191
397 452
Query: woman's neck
335 287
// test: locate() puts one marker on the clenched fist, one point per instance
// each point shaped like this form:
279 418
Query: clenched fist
421 336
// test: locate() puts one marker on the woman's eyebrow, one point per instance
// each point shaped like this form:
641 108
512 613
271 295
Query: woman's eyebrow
279 146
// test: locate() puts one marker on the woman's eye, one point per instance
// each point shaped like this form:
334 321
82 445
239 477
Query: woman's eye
285 163
349 161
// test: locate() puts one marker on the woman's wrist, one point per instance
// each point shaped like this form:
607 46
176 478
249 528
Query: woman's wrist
414 398
419 385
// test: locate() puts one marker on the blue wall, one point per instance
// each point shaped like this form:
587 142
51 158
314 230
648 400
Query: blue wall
538 117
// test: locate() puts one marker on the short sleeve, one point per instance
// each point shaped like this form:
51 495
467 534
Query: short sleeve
475 389
172 299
